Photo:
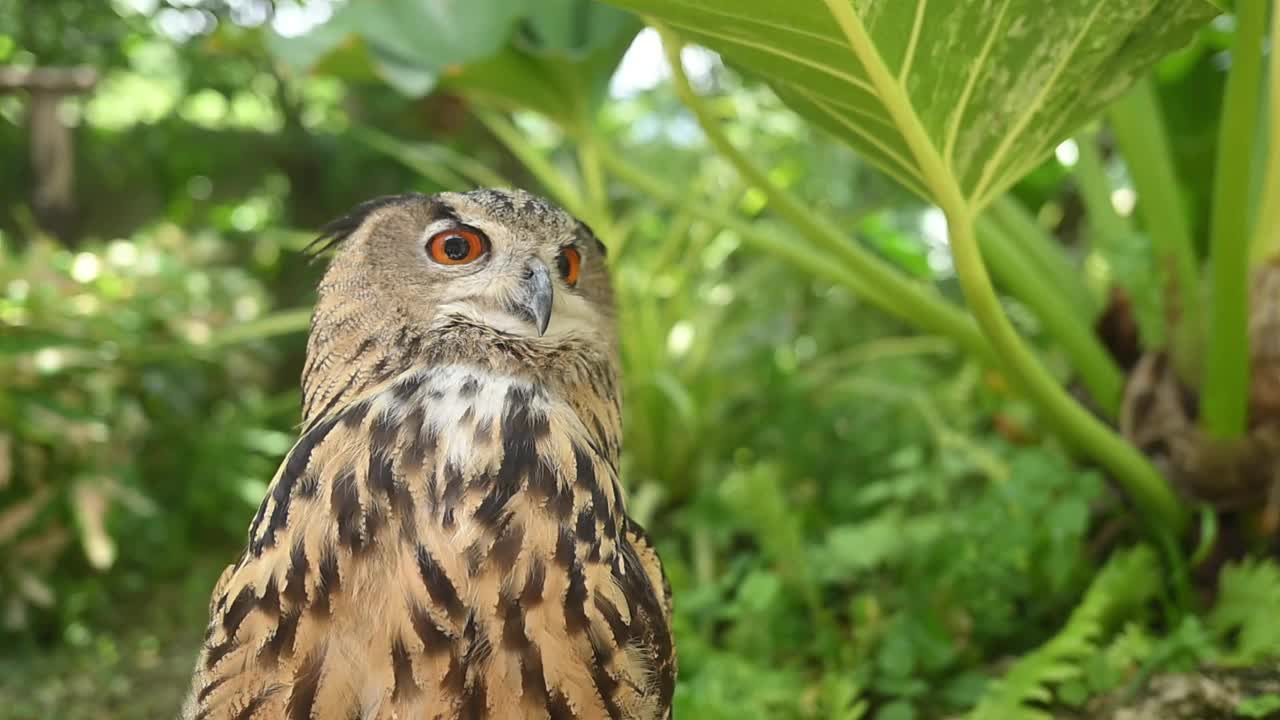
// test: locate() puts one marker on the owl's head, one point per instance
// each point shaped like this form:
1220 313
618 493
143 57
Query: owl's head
458 274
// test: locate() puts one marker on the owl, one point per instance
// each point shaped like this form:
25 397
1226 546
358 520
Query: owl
448 537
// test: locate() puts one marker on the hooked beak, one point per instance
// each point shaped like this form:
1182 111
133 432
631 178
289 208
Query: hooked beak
532 300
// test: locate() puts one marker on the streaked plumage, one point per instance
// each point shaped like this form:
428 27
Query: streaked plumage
448 538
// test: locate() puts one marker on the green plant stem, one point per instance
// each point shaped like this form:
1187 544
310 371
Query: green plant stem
1089 358
282 322
877 281
1153 496
1046 256
1266 232
592 173
1224 393
1095 190
663 192
1139 130
430 159
1148 489
556 182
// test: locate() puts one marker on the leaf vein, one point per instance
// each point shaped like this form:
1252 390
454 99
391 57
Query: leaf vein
988 174
909 58
966 95
904 173
798 59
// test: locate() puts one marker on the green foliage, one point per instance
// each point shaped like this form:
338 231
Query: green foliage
896 110
1245 613
900 78
1126 582
1260 706
111 356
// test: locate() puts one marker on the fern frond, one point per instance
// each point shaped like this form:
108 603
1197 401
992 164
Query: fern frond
1249 608
1128 579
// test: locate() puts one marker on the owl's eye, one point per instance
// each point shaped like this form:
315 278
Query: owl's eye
569 263
457 246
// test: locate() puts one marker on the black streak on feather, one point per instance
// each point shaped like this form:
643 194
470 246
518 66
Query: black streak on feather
405 684
353 417
347 512
295 585
219 651
309 485
281 642
474 556
507 547
575 601
564 549
478 646
255 704
559 708
613 618
329 582
586 526
521 428
533 682
607 686
236 613
306 682
438 585
531 595
269 603
454 485
209 689
407 387
475 700
293 469
513 637
455 678
435 641
494 505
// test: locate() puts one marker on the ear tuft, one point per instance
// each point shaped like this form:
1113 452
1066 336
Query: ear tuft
336 231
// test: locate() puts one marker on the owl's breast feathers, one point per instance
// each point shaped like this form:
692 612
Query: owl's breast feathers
452 545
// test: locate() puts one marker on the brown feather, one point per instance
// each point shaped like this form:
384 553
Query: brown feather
447 537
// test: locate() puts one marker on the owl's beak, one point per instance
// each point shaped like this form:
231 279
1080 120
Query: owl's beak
533 299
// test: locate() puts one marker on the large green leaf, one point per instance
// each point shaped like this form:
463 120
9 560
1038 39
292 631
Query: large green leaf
576 27
560 66
553 56
411 42
961 97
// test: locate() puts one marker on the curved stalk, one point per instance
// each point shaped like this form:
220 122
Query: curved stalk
1089 359
1266 232
593 173
430 159
555 181
1224 393
1095 190
1143 482
878 282
1139 130
1046 255
801 256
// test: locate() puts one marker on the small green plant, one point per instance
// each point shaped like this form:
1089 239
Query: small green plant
1124 584
110 356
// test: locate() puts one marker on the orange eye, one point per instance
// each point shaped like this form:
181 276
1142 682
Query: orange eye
569 262
457 246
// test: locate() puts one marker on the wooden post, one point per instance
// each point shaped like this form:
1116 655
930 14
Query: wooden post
52 143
